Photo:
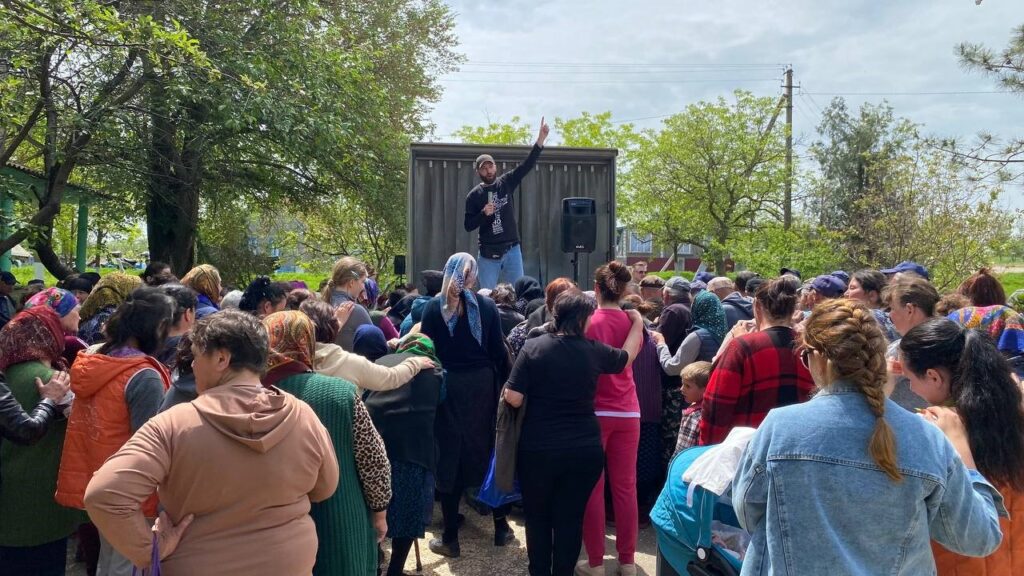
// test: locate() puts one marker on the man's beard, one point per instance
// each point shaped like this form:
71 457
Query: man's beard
488 180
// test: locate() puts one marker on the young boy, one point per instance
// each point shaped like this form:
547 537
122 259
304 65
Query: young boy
695 378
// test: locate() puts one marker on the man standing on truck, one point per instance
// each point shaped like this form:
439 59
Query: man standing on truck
489 207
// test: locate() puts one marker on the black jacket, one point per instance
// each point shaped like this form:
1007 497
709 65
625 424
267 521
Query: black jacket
499 228
23 427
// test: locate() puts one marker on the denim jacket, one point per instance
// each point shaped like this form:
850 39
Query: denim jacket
816 502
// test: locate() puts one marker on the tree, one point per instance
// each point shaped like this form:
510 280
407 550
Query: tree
1003 156
69 68
890 195
804 246
932 209
712 173
849 155
310 100
513 133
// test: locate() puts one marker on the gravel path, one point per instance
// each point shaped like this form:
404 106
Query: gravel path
480 556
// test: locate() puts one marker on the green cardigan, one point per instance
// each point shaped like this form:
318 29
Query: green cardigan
28 474
347 539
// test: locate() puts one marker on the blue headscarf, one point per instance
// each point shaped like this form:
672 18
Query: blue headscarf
369 342
459 276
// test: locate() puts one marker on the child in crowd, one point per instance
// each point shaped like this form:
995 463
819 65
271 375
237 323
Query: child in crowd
695 378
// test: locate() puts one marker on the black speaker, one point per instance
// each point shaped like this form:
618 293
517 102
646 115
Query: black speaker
579 225
399 265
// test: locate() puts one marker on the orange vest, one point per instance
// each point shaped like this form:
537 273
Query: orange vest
99 424
1007 560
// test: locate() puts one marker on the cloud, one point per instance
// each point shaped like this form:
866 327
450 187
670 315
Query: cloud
835 46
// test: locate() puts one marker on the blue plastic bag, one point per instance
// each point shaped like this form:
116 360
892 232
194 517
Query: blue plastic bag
491 495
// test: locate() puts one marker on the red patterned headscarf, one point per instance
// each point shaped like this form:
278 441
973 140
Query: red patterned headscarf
34 334
292 339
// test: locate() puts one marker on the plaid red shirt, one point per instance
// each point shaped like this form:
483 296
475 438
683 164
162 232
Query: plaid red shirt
756 372
689 428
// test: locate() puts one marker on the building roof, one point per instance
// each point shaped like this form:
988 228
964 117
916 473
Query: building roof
30 178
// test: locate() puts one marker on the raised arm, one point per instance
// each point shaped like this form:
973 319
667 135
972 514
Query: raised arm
516 176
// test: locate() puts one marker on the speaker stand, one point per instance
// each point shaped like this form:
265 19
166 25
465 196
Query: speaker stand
576 268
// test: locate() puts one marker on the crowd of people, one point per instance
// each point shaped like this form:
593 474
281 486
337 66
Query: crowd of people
283 430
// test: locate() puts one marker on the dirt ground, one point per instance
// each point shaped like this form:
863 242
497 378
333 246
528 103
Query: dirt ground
480 556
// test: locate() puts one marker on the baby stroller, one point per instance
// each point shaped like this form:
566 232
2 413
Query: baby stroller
683 518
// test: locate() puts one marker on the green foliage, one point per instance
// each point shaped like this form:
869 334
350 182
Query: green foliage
72 68
513 133
227 244
597 131
1011 281
712 173
890 196
810 249
849 155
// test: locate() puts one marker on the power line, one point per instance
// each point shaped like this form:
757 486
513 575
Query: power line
621 64
936 93
621 81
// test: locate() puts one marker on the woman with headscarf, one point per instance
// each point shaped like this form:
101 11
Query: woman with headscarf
466 332
109 293
353 521
1002 324
66 306
529 295
205 280
369 342
332 360
702 344
405 419
34 529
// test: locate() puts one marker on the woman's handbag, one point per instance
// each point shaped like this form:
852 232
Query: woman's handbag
154 562
494 496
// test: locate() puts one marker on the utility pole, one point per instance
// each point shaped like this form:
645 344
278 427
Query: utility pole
787 208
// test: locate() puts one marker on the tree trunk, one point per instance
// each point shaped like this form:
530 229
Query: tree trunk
172 208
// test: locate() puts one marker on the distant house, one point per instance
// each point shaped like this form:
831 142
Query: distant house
633 247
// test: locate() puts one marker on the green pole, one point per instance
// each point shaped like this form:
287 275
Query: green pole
82 245
7 208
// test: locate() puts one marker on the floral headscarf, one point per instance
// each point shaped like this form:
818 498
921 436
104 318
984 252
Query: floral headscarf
34 334
1002 323
292 339
419 345
460 271
708 314
111 291
204 279
62 301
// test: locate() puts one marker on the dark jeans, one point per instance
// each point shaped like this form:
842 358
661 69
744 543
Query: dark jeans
556 485
44 560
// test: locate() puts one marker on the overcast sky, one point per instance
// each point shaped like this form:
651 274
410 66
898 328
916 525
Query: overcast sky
643 59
